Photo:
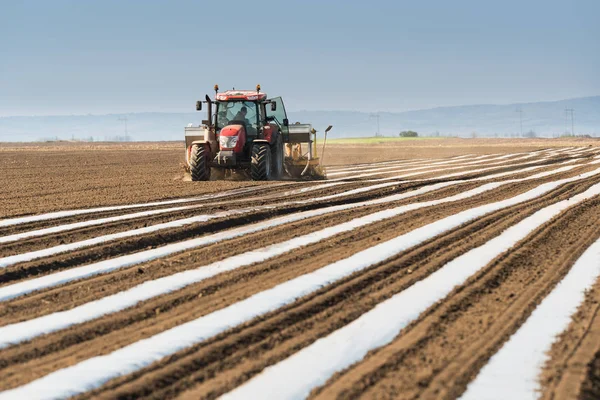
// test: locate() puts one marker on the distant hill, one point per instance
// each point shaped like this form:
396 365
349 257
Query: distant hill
545 119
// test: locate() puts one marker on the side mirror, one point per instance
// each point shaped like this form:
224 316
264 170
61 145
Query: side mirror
273 106
198 105
328 128
286 122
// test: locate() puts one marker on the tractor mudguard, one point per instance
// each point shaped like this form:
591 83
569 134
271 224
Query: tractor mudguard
261 141
206 143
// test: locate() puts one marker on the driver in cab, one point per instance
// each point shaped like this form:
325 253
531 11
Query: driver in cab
241 115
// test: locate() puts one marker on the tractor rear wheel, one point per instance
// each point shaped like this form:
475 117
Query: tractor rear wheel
260 166
199 168
277 158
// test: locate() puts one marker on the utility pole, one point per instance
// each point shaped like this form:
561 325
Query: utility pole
125 120
377 117
520 111
572 111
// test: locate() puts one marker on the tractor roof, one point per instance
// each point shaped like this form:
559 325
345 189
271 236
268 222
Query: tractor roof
241 95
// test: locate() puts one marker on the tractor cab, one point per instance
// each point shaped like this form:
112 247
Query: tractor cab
236 128
241 119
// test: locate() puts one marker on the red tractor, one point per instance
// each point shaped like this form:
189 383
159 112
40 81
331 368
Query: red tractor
247 131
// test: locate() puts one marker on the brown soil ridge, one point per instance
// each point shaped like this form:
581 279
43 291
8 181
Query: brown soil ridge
107 250
227 204
232 201
216 292
262 342
441 352
78 292
44 178
175 307
26 200
64 297
573 368
110 249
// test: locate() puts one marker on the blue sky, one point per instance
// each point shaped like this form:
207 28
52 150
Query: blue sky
79 57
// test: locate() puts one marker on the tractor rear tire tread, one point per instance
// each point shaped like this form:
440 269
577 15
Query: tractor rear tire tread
198 161
277 158
260 167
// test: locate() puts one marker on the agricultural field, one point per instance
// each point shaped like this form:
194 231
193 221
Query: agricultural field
429 269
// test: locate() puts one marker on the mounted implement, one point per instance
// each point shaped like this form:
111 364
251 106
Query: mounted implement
250 132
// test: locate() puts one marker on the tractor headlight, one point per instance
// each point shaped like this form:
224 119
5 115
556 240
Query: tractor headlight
228 142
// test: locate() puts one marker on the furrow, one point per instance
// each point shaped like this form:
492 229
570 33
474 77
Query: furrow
48 249
98 369
513 371
429 165
436 356
337 351
29 329
18 289
68 213
20 234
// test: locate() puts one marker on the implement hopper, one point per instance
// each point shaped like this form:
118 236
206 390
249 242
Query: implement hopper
301 158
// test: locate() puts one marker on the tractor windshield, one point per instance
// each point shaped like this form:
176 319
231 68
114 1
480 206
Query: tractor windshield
243 111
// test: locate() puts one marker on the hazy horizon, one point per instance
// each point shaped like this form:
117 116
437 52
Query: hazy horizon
77 58
544 119
313 110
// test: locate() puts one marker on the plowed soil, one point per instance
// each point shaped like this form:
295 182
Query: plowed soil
435 356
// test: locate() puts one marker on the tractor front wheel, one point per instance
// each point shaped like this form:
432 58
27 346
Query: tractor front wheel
260 166
198 161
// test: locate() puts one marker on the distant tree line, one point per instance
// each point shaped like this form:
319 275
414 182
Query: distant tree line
73 139
409 134
119 138
529 135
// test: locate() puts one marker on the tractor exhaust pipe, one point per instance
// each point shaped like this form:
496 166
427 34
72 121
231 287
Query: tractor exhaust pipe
209 102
